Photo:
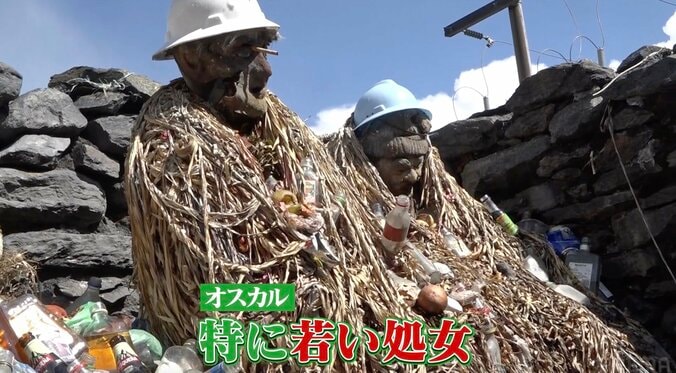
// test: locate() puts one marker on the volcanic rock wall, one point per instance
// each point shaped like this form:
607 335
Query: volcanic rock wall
62 203
548 151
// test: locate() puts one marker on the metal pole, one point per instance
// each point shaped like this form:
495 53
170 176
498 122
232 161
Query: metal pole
487 105
520 43
477 16
601 57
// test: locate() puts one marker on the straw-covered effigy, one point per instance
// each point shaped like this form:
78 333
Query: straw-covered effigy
194 186
196 189
562 335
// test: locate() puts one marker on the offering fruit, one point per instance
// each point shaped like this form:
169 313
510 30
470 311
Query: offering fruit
432 299
284 196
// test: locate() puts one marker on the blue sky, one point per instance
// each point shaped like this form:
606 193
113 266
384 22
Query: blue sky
332 52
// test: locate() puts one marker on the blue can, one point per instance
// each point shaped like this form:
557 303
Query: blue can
562 239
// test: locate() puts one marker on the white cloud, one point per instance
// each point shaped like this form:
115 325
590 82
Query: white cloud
330 120
501 77
614 64
670 30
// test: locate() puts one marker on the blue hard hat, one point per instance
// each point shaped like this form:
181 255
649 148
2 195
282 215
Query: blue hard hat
384 98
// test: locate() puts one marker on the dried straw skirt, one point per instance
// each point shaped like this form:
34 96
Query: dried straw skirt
195 187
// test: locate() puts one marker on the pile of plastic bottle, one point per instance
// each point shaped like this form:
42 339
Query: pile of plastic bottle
84 338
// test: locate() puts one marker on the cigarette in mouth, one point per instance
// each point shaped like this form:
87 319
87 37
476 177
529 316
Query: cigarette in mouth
267 51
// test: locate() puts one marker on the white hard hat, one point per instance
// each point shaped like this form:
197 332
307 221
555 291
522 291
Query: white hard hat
383 98
191 20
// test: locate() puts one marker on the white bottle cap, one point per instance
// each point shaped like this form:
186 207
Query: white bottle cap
402 201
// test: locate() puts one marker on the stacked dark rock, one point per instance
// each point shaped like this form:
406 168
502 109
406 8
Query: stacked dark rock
62 151
548 151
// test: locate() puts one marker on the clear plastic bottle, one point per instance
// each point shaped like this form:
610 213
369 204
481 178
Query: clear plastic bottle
81 364
430 269
26 314
397 223
271 183
10 364
6 361
91 294
180 359
310 183
493 348
377 209
454 244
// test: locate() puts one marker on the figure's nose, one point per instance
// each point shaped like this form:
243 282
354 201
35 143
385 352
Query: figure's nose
259 73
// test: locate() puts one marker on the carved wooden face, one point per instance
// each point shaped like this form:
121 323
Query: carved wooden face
397 146
231 60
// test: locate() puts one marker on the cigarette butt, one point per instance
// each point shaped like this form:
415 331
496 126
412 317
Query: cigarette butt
267 51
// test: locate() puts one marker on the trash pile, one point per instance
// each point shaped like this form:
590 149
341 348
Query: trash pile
84 338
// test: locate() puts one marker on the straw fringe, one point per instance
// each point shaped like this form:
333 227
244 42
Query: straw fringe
194 187
562 335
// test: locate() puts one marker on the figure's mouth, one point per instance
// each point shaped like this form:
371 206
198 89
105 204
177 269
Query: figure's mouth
258 92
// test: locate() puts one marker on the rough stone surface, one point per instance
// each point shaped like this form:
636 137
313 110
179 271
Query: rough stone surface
505 166
654 76
55 198
557 83
535 199
132 304
671 159
89 160
661 289
567 174
628 144
659 198
558 160
107 226
468 136
83 80
615 179
598 208
634 263
10 84
531 123
111 134
636 56
101 103
580 192
631 117
73 251
43 112
116 295
577 119
579 181
115 197
630 229
34 151
668 323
